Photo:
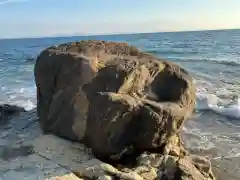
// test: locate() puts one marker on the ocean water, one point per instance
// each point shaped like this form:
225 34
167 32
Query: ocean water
212 57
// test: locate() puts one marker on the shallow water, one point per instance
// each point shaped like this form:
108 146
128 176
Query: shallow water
212 57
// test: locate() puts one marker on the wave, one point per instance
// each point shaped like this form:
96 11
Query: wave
22 97
206 102
193 59
177 52
228 63
231 63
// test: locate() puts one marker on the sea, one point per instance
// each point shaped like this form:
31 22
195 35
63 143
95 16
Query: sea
212 57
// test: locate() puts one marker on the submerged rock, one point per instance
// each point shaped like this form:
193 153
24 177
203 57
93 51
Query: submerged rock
7 111
7 153
30 59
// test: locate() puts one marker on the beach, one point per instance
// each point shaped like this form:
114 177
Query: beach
212 58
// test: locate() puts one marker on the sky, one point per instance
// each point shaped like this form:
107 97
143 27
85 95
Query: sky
34 18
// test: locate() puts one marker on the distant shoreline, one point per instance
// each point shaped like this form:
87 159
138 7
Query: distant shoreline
109 34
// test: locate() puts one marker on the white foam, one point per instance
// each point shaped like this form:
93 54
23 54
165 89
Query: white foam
26 104
207 101
19 96
232 111
21 90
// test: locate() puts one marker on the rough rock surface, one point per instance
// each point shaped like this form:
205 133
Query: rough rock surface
125 105
149 167
111 96
69 176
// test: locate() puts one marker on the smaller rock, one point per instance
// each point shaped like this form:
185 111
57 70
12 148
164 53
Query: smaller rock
203 165
168 167
70 176
7 153
147 172
151 159
174 147
182 168
94 169
105 177
7 111
30 59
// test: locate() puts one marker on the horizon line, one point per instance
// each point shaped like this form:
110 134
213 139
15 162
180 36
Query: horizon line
111 34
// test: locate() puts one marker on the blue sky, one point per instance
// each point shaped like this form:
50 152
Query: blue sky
27 18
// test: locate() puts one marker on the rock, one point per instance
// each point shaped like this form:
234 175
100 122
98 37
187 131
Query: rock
70 176
30 59
114 98
203 165
105 177
150 159
181 168
7 111
148 164
61 103
147 172
174 146
95 169
149 167
8 153
187 169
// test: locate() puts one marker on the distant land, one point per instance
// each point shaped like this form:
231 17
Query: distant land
112 34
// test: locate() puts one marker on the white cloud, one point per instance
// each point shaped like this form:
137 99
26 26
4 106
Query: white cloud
2 2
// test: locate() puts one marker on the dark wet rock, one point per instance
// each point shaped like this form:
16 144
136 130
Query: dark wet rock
30 60
7 111
7 153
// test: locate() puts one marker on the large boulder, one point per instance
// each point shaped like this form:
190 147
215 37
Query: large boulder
111 96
